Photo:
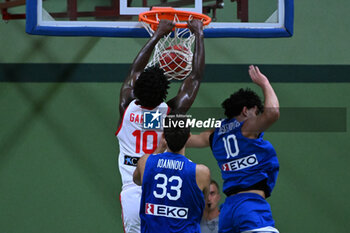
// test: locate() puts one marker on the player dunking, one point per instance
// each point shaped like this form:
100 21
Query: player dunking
248 163
146 90
172 186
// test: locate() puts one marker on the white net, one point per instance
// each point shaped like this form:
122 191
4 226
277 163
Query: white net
173 53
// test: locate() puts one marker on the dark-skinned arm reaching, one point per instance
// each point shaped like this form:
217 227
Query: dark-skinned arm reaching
187 93
139 64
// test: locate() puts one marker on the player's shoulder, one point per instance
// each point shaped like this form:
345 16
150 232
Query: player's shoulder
250 128
164 108
133 104
163 104
202 170
202 176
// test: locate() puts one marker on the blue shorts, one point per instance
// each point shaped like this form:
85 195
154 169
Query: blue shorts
244 212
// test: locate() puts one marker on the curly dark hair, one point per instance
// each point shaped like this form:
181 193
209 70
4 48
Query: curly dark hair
242 98
151 88
176 134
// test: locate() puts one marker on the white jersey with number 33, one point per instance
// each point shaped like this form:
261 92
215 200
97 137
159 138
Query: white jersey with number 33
139 133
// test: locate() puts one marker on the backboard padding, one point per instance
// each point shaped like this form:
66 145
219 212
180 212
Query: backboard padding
265 18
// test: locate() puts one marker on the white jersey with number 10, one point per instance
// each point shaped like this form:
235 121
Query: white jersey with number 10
136 138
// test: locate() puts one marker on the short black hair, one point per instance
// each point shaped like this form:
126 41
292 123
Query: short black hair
176 133
151 88
216 184
242 98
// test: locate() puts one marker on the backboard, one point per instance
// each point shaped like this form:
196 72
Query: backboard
119 18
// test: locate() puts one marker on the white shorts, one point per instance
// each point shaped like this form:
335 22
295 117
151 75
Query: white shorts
130 199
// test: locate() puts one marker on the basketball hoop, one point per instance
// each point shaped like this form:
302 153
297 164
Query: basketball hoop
174 52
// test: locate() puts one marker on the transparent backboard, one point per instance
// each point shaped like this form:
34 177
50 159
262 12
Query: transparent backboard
119 18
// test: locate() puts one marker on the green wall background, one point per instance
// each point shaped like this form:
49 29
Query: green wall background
58 153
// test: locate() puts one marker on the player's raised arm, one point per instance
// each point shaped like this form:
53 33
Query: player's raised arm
190 86
139 64
203 179
271 105
161 148
199 140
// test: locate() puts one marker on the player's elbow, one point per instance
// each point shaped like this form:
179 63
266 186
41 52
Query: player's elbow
273 114
137 181
196 75
197 141
191 142
137 178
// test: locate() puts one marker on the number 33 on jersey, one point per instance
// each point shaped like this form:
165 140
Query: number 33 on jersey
170 192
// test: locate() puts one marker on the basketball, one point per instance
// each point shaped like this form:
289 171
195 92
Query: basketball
174 60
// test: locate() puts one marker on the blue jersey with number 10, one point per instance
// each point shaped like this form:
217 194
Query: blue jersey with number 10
171 200
243 161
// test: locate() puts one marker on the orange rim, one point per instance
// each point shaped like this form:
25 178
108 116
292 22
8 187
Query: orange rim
157 13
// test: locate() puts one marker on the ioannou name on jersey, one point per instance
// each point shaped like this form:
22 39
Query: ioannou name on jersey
170 164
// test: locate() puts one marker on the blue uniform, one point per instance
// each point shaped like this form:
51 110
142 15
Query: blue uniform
171 200
245 164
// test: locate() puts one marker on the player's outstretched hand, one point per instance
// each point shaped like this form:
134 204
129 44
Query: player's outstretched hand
195 25
165 27
257 77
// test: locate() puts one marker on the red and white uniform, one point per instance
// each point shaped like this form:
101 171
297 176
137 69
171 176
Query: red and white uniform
134 141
